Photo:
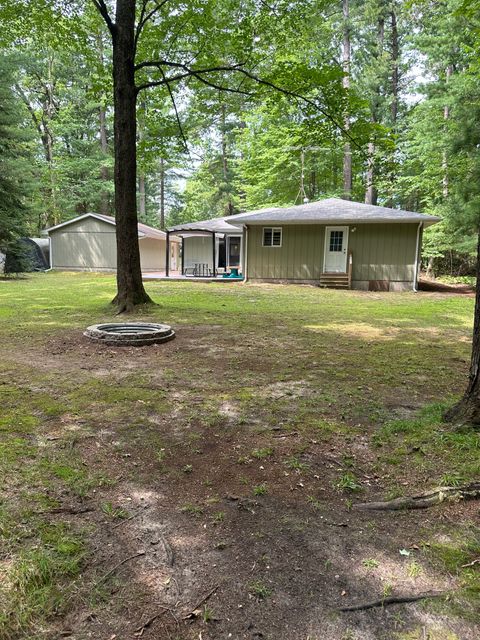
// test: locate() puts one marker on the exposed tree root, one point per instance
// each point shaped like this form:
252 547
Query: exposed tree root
465 413
427 499
128 304
383 602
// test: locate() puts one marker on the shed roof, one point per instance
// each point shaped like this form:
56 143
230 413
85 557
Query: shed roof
331 211
144 231
218 225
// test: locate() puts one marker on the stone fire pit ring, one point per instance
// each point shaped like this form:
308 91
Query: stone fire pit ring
130 334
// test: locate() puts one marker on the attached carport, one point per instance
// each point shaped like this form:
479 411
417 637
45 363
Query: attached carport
209 248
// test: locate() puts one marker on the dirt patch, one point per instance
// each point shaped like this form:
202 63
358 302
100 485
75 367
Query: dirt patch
234 464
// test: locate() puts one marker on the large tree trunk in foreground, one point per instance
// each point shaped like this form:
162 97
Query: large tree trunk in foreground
467 411
130 290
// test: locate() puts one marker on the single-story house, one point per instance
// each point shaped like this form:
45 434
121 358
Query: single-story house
332 242
88 243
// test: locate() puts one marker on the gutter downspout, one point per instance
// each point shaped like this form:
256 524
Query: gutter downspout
417 250
50 254
245 254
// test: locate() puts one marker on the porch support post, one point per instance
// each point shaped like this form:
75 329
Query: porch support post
214 252
183 255
167 255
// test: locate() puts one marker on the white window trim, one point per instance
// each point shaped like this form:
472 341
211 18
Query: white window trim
272 246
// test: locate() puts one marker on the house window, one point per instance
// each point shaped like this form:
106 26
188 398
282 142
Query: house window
336 240
272 236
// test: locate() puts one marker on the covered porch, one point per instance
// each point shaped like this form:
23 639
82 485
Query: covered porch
210 250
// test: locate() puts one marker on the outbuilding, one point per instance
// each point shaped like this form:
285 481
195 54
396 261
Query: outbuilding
88 243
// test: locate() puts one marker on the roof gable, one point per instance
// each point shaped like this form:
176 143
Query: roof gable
143 229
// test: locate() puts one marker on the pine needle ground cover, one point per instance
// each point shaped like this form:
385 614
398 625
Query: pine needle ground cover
207 486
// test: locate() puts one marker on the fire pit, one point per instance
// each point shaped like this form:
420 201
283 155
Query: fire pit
128 334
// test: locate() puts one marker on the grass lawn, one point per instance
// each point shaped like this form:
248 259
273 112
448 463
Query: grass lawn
205 488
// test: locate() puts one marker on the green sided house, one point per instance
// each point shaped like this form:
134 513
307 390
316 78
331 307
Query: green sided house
332 242
88 243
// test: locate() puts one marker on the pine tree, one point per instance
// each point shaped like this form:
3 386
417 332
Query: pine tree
14 170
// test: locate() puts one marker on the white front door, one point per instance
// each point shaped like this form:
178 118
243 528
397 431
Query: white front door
336 244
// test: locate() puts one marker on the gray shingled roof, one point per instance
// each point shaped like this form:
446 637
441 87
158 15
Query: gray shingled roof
219 225
331 210
143 229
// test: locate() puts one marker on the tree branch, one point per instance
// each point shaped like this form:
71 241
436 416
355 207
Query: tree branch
163 82
176 111
211 84
30 108
103 11
239 68
156 64
145 17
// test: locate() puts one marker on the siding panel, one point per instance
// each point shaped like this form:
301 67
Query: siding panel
90 245
380 252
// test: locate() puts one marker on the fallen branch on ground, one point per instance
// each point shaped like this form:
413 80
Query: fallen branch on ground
195 611
117 566
471 564
383 602
139 631
287 434
71 510
119 524
427 499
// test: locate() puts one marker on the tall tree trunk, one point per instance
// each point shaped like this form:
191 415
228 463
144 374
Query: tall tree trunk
467 411
347 151
47 141
430 273
446 116
395 69
162 193
229 205
371 190
104 174
395 80
102 120
130 290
